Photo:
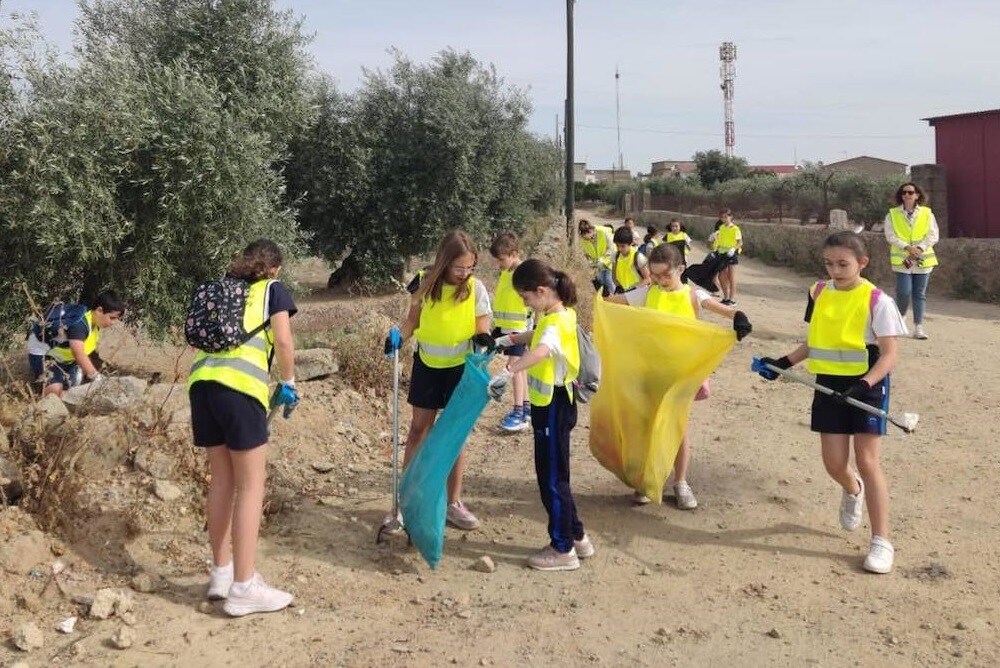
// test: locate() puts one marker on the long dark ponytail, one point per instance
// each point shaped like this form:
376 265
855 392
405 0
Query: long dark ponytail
534 273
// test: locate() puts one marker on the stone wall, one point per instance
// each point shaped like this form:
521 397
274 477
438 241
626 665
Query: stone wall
969 268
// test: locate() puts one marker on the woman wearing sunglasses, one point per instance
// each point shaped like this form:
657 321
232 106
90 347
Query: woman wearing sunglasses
911 231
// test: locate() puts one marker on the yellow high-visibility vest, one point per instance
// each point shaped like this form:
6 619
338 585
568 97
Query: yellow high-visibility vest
836 338
911 235
244 369
726 238
61 351
626 275
597 248
445 330
676 302
509 311
542 376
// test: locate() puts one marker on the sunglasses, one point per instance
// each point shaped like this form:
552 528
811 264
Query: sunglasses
909 192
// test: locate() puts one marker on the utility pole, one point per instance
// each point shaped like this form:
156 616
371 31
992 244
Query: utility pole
618 122
727 54
569 122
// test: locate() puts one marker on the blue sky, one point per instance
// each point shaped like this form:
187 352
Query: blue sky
814 80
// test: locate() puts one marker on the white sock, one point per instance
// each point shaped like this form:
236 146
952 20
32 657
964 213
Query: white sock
222 570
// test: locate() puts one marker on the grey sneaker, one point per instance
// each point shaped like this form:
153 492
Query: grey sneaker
584 548
880 556
684 495
460 517
550 560
220 579
919 333
640 499
255 596
851 506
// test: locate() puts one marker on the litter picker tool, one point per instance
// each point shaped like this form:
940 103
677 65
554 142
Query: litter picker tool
906 421
393 524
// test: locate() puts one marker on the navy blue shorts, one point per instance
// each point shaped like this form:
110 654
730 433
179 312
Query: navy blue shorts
221 415
832 416
67 375
512 351
432 388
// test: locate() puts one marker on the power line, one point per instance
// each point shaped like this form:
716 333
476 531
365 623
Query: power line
747 134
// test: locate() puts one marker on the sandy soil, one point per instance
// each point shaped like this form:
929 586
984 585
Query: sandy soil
760 573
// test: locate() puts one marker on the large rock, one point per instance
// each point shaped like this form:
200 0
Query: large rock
21 551
52 410
315 363
167 398
151 459
11 485
111 395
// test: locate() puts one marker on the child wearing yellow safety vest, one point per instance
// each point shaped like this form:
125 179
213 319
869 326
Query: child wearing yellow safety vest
629 266
651 240
511 316
449 307
72 359
669 295
678 237
852 348
728 244
552 363
598 245
229 399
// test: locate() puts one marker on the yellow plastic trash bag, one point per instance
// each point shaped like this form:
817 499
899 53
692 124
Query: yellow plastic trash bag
652 364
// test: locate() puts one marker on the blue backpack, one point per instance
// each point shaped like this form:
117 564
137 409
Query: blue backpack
58 317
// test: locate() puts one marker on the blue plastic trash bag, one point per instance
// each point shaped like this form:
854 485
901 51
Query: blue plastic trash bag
423 494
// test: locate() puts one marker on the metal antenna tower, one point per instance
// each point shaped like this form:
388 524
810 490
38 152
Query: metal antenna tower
727 54
618 122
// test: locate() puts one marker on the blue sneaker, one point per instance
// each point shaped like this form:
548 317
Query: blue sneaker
514 421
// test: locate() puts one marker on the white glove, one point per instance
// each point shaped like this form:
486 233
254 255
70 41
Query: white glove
505 341
97 379
498 385
731 252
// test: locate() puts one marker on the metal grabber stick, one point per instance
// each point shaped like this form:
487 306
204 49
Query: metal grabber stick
393 525
906 421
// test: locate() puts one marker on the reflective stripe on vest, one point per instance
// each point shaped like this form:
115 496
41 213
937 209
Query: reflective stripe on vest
244 369
509 311
542 376
675 302
597 248
726 237
62 353
445 329
837 327
911 235
626 275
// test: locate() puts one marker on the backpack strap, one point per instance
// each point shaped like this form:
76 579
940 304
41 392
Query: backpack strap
872 301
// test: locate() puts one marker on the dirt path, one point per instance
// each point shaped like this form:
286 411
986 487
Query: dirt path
760 573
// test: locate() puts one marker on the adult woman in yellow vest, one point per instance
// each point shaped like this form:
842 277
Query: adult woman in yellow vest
598 246
449 307
669 295
728 244
852 348
229 402
630 266
911 232
552 363
73 359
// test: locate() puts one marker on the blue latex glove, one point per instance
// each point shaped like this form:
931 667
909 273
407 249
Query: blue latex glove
758 366
285 395
394 341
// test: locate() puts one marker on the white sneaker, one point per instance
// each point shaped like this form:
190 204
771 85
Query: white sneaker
640 499
461 517
851 506
880 555
919 333
550 560
684 496
584 548
246 598
220 579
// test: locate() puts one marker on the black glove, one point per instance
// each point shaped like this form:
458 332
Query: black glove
483 343
781 363
858 390
741 325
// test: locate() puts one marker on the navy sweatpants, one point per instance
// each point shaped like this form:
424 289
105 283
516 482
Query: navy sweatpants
552 425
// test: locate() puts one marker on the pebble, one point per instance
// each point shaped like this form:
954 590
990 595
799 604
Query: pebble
143 583
104 604
323 467
67 625
646 571
166 491
773 633
464 614
206 608
484 564
28 637
124 637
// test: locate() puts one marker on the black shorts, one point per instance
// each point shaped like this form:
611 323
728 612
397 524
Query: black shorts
431 388
221 415
832 416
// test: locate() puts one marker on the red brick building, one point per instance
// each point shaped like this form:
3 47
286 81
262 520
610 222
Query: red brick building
968 147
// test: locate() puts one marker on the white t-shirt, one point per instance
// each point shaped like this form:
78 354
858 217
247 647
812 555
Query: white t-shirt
551 338
482 296
883 320
637 297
